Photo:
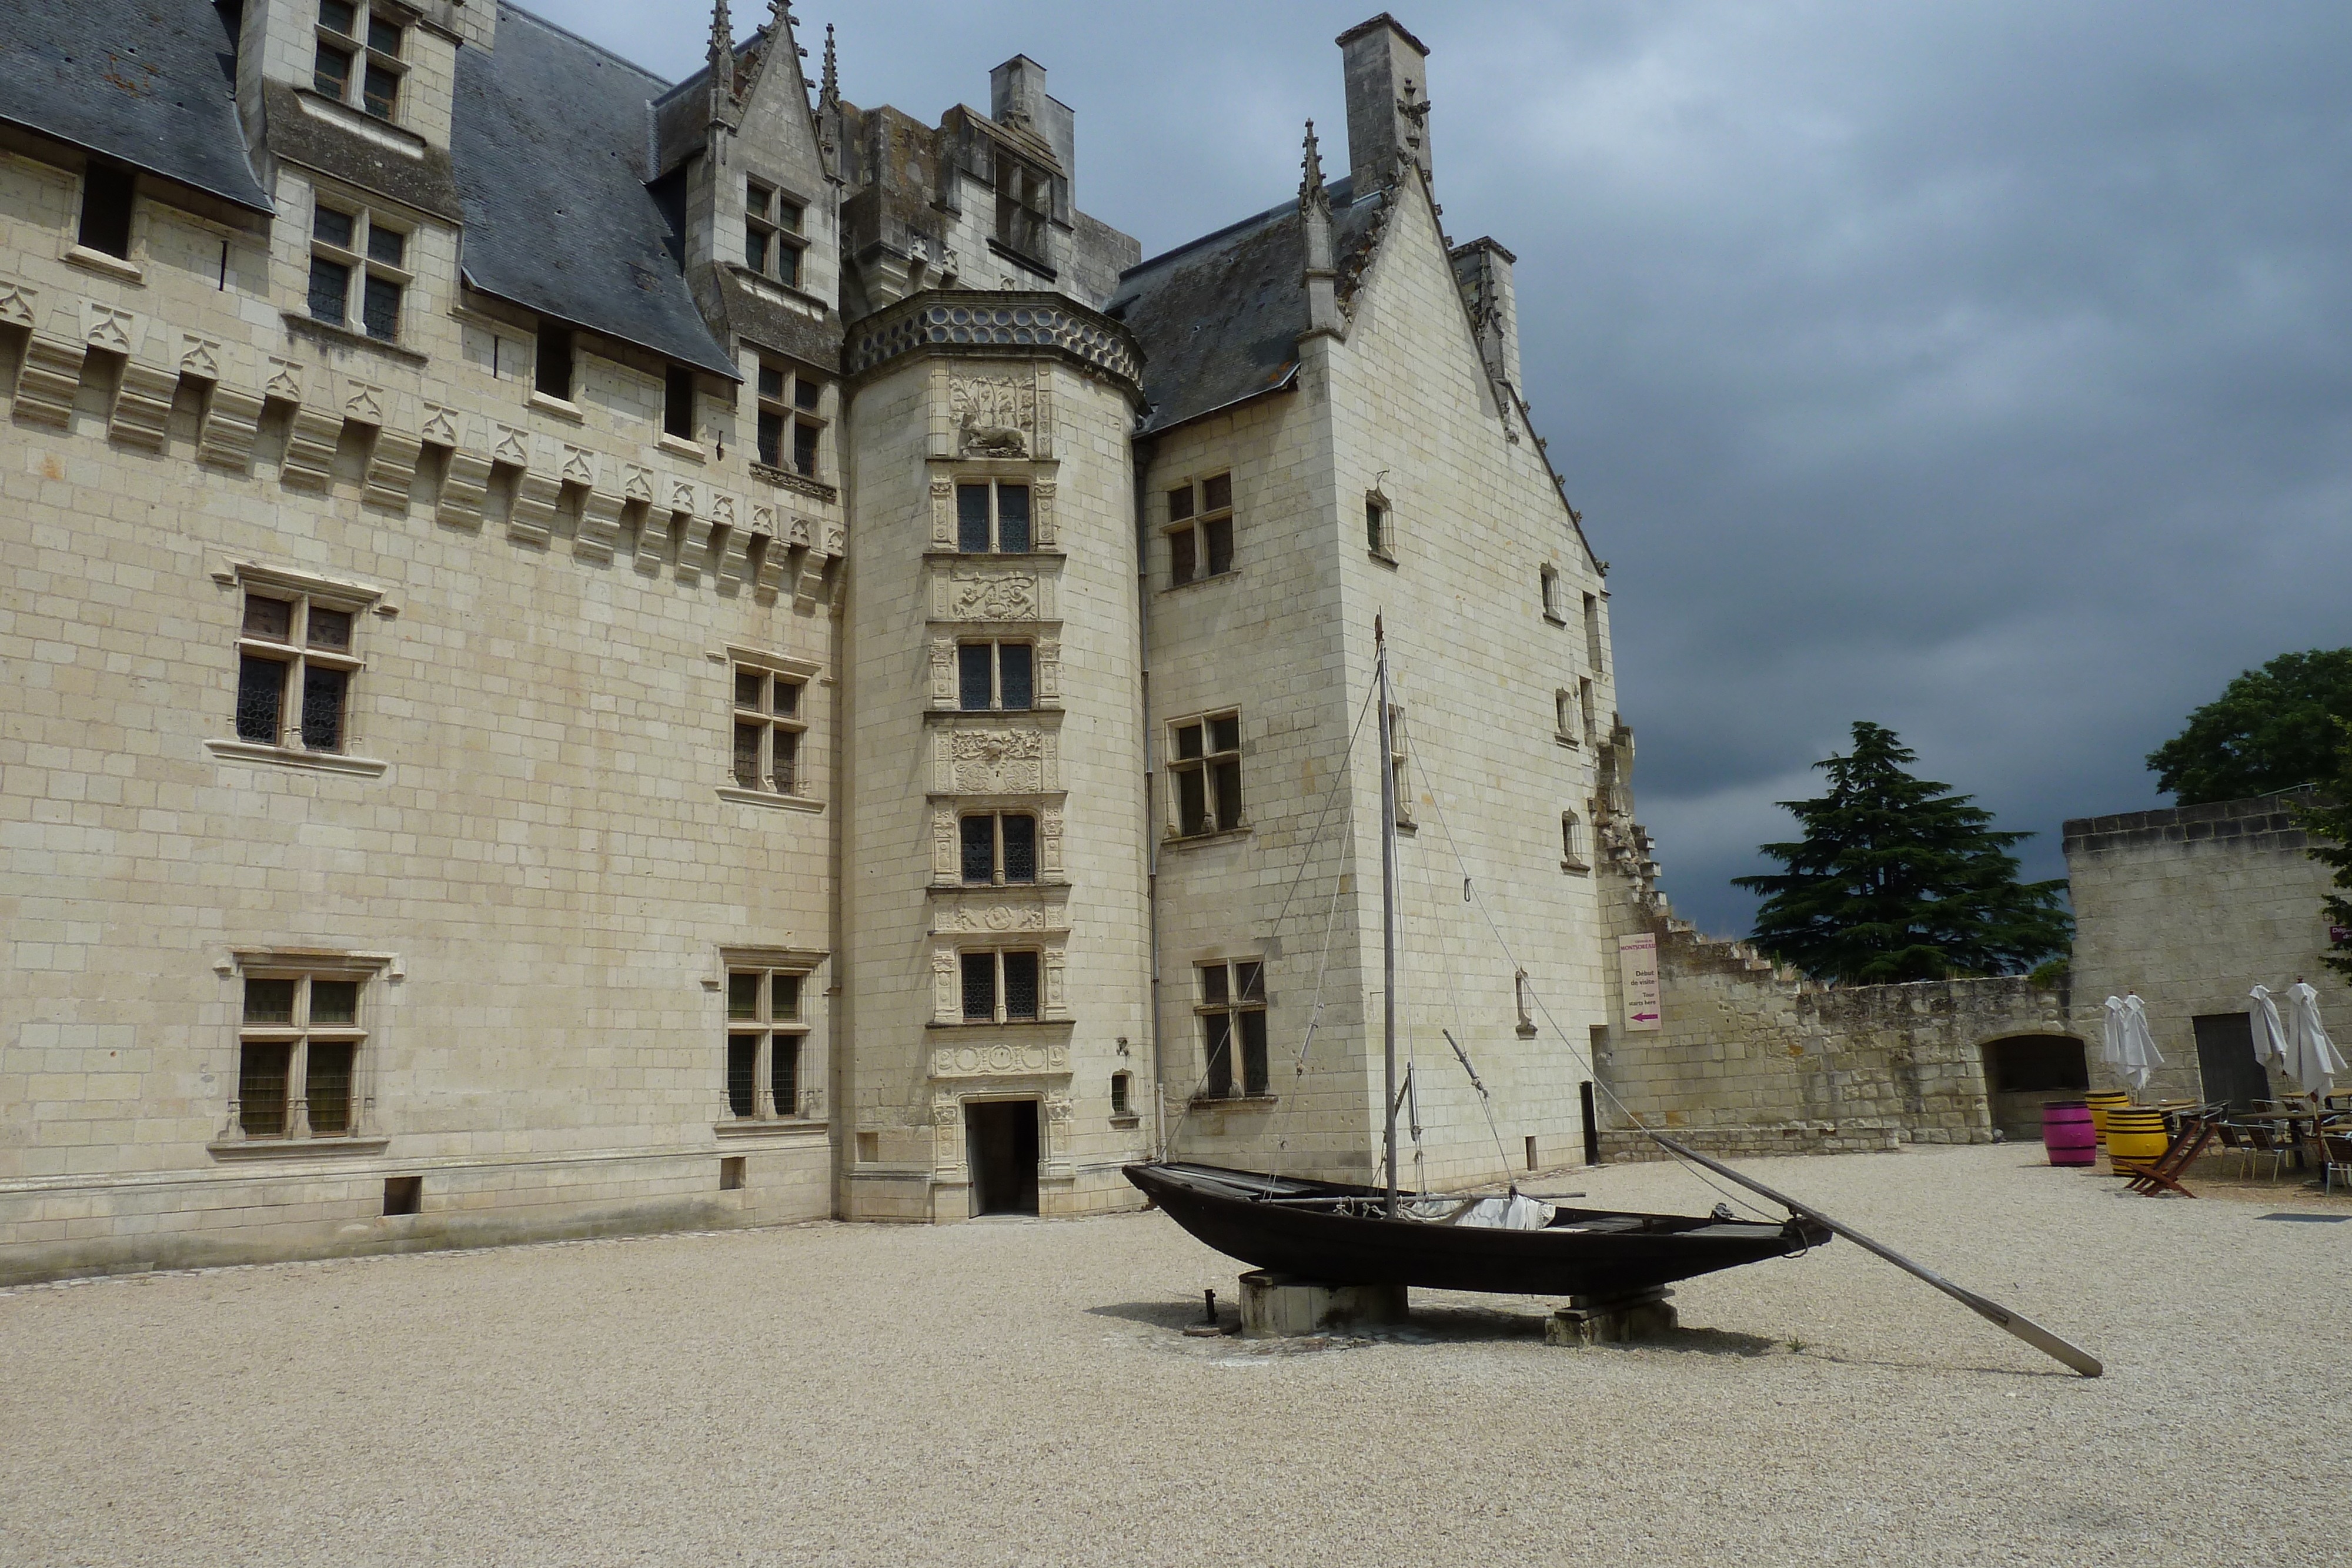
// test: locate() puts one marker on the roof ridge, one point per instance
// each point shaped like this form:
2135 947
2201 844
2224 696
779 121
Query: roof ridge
1253 221
590 44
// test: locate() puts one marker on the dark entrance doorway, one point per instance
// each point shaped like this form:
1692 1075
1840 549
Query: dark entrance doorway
2026 1072
2225 1057
1001 1143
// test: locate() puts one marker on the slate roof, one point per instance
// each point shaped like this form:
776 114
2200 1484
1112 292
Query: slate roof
550 142
148 82
1219 319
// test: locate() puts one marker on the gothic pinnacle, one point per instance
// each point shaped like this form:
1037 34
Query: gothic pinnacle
830 92
722 48
1310 181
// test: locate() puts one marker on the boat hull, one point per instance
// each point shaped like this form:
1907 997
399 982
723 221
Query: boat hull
1278 1224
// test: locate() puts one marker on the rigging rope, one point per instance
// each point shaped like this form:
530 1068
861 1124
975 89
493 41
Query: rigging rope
1469 887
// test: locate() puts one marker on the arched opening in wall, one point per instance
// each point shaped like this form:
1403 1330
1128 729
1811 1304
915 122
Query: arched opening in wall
2024 1072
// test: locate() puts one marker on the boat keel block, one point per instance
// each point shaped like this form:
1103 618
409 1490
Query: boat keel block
1611 1320
1277 1306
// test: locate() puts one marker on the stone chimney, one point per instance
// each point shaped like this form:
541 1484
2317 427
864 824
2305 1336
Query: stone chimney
1387 73
1483 267
1017 97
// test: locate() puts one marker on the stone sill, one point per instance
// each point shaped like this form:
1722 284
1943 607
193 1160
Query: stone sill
776 1126
560 408
1554 618
1238 1101
1382 558
1576 868
679 446
789 479
359 122
293 1148
1008 1023
1568 740
327 332
1028 263
1231 574
1060 882
289 757
1127 1120
1010 557
98 261
760 282
1198 841
771 801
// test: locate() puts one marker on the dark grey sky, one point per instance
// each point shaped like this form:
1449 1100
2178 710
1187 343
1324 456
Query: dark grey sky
1982 370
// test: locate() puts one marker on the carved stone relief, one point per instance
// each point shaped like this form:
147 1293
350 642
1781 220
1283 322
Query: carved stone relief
971 593
997 1058
996 761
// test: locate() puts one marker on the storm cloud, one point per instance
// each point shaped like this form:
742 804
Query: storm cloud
1980 370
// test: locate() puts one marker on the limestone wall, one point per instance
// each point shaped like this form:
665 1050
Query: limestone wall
1750 1062
2191 907
526 844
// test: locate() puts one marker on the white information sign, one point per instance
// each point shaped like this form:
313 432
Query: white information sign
1637 967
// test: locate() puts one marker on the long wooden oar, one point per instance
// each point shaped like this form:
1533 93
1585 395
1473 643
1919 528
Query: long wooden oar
1992 1311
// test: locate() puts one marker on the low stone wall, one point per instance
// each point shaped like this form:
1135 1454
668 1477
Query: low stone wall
1751 1061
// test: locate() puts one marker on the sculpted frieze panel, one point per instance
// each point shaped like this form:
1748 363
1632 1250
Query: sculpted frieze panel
978 593
999 1058
995 761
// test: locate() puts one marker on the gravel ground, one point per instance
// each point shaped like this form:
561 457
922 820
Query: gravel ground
1017 1392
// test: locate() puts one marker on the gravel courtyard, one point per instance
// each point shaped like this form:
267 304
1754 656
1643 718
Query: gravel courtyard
1017 1392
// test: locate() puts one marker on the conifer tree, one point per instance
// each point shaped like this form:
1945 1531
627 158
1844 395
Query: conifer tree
2329 819
1897 879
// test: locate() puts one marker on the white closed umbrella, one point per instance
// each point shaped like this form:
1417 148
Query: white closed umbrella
2140 1057
2111 1035
2270 1034
2312 1059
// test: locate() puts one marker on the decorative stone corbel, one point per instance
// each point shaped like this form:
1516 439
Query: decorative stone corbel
49 379
232 421
310 461
142 405
392 469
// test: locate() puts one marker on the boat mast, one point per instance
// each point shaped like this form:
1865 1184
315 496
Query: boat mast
1387 908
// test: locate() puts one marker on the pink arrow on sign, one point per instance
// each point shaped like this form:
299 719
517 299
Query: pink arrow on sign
1646 1017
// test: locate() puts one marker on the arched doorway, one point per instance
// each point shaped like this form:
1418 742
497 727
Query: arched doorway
2025 1072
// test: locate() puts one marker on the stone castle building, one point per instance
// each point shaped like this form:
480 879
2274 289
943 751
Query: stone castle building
589 654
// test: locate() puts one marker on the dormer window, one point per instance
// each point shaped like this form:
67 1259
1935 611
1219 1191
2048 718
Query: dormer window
1025 200
771 233
360 48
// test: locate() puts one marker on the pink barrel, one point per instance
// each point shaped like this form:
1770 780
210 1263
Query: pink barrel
2067 1134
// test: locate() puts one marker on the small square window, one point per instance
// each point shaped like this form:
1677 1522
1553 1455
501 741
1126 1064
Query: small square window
380 308
331 72
331 227
383 36
106 208
380 88
993 517
389 246
331 289
329 628
765 1035
677 403
553 368
339 16
299 1045
270 618
1207 774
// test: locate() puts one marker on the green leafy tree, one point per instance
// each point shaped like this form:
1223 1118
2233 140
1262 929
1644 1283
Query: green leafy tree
2329 819
1898 879
2271 729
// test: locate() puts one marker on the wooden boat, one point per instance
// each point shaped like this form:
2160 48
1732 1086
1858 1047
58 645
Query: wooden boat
1337 1233
1334 1233
1344 1234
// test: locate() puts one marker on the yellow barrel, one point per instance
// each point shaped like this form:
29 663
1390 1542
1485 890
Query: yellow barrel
2105 1100
2136 1134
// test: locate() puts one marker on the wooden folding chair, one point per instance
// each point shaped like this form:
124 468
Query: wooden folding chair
2162 1175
